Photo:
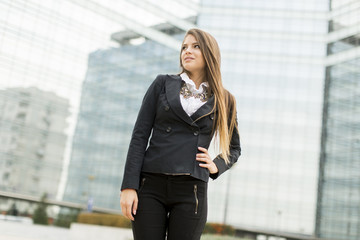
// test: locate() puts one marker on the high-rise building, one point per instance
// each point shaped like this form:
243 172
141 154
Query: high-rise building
32 126
44 46
115 83
273 62
338 211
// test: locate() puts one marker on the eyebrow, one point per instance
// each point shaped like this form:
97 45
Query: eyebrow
192 43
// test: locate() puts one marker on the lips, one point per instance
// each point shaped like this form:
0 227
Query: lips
188 58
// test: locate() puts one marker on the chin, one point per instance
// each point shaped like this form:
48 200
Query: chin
188 68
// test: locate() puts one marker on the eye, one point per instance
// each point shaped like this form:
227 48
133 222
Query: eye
183 47
196 46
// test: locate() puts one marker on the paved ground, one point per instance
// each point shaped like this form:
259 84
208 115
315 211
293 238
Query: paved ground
25 230
10 230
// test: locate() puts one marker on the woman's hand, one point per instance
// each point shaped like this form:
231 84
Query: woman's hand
206 160
129 203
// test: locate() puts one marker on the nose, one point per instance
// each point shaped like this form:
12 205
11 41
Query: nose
188 50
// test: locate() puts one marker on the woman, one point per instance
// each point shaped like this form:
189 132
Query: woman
164 189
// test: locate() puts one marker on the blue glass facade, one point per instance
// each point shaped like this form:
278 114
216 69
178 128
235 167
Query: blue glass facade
339 183
338 211
115 83
272 61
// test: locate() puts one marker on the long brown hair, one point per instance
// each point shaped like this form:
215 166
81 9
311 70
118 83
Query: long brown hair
224 101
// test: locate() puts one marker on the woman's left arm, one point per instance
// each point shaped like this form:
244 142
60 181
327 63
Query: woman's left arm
218 166
235 152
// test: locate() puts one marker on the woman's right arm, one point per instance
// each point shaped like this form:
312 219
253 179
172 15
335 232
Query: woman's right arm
129 202
140 136
137 148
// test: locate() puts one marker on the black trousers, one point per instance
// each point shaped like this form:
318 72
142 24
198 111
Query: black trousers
170 207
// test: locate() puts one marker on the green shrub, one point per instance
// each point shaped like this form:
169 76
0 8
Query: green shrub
111 220
40 215
218 228
65 219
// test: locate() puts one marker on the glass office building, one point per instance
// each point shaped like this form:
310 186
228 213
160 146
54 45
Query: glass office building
338 215
272 61
112 92
44 46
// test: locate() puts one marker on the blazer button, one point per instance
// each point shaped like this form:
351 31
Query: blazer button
196 133
168 129
166 108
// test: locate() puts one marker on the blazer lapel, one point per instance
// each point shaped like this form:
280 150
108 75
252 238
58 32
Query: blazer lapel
172 88
204 109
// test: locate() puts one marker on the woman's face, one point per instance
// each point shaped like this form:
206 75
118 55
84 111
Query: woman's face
191 57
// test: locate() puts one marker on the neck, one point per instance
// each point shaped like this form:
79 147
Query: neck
197 77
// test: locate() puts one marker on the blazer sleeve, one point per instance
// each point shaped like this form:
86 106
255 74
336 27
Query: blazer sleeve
140 135
235 152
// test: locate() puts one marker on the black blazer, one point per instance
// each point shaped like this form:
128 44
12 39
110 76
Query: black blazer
175 136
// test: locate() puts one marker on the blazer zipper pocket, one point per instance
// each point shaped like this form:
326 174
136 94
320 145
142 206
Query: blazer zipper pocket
196 199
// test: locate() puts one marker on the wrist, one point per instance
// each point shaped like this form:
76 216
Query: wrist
214 169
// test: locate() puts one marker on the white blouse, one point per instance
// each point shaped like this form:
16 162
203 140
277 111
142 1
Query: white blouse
191 104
